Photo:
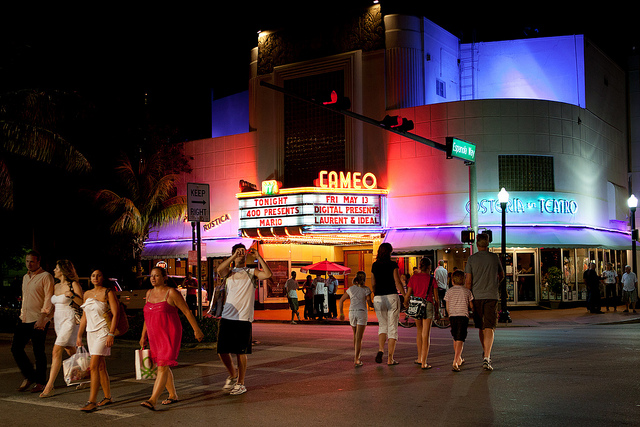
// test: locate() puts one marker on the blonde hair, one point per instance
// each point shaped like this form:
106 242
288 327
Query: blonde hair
360 278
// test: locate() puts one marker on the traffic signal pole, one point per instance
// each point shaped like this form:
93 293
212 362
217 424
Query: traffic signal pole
473 191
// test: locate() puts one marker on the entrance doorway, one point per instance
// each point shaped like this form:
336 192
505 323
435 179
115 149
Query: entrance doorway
357 261
522 276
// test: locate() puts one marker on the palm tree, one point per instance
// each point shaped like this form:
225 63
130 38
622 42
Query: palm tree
148 199
29 128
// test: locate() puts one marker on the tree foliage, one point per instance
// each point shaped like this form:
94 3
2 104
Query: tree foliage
32 127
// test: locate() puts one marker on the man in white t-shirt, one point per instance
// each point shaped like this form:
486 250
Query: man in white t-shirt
318 296
629 289
442 277
234 330
291 287
610 285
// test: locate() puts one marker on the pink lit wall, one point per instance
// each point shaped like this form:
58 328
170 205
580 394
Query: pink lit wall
220 162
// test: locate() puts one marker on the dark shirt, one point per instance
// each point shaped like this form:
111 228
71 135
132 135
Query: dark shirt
383 273
591 278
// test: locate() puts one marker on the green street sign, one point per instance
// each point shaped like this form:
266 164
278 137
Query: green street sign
460 149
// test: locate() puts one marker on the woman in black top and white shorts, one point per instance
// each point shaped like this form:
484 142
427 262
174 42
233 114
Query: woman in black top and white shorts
387 289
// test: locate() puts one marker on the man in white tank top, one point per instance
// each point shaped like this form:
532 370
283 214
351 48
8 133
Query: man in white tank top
234 334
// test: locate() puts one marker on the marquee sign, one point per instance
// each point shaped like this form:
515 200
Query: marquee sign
348 202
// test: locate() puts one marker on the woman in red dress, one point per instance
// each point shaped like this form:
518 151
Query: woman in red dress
163 328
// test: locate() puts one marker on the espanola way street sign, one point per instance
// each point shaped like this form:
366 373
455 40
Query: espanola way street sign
198 202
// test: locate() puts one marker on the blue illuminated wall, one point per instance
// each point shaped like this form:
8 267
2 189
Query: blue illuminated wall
550 69
230 115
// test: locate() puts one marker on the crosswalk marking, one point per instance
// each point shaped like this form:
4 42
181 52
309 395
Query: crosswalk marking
61 405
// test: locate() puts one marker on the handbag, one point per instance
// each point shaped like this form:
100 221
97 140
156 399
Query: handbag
416 307
77 310
76 367
145 368
123 322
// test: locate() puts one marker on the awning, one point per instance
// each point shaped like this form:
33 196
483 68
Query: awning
534 236
180 248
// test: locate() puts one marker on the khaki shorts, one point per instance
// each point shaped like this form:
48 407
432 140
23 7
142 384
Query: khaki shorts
485 313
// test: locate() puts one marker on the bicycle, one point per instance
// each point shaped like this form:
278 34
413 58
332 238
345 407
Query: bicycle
441 318
405 321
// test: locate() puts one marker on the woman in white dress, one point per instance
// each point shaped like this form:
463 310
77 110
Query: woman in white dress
66 289
100 336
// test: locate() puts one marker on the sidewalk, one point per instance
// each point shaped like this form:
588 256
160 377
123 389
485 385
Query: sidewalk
519 317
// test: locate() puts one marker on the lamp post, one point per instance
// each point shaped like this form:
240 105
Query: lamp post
633 204
504 317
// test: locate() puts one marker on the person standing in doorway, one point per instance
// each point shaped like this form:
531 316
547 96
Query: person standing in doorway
191 285
35 316
629 289
483 275
291 287
234 330
610 285
592 281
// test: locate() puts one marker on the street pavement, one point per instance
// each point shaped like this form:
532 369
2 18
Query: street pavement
554 367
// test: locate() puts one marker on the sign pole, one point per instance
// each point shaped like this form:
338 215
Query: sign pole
199 269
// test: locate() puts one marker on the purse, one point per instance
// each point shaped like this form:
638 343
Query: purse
416 307
123 323
145 368
77 310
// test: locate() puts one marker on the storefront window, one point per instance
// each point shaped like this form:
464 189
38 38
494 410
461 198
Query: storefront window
569 272
551 275
582 265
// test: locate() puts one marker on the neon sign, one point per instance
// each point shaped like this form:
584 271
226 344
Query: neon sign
216 222
518 206
340 201
344 180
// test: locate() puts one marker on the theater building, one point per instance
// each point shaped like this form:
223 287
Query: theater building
546 118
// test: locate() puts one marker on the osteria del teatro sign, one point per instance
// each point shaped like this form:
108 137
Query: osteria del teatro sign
338 202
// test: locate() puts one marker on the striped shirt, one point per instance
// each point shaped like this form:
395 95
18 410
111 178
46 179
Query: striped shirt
458 298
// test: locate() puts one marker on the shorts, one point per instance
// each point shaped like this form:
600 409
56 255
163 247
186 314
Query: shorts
629 296
459 325
358 317
485 313
388 312
293 303
234 337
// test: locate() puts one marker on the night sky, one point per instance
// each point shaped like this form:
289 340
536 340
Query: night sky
185 54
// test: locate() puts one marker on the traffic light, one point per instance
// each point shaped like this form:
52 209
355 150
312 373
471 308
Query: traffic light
334 100
396 123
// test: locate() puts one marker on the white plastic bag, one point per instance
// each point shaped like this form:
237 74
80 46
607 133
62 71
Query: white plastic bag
76 367
145 368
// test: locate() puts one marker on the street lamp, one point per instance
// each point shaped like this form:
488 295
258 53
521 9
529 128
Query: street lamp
504 317
633 204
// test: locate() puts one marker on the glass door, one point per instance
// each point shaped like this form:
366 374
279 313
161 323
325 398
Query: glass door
525 277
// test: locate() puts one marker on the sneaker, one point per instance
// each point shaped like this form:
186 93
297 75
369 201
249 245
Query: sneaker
486 364
230 383
238 389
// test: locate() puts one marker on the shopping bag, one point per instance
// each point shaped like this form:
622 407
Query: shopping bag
76 367
145 368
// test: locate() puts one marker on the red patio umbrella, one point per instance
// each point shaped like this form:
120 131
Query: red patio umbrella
325 267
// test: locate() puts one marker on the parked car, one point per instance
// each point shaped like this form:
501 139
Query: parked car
133 296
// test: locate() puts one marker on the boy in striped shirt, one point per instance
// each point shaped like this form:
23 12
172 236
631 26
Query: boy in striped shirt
458 300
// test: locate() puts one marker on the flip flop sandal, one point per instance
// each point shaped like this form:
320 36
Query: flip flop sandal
426 367
455 368
395 362
148 405
106 401
170 401
89 407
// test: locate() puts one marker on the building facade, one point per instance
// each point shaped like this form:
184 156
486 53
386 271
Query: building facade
547 117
